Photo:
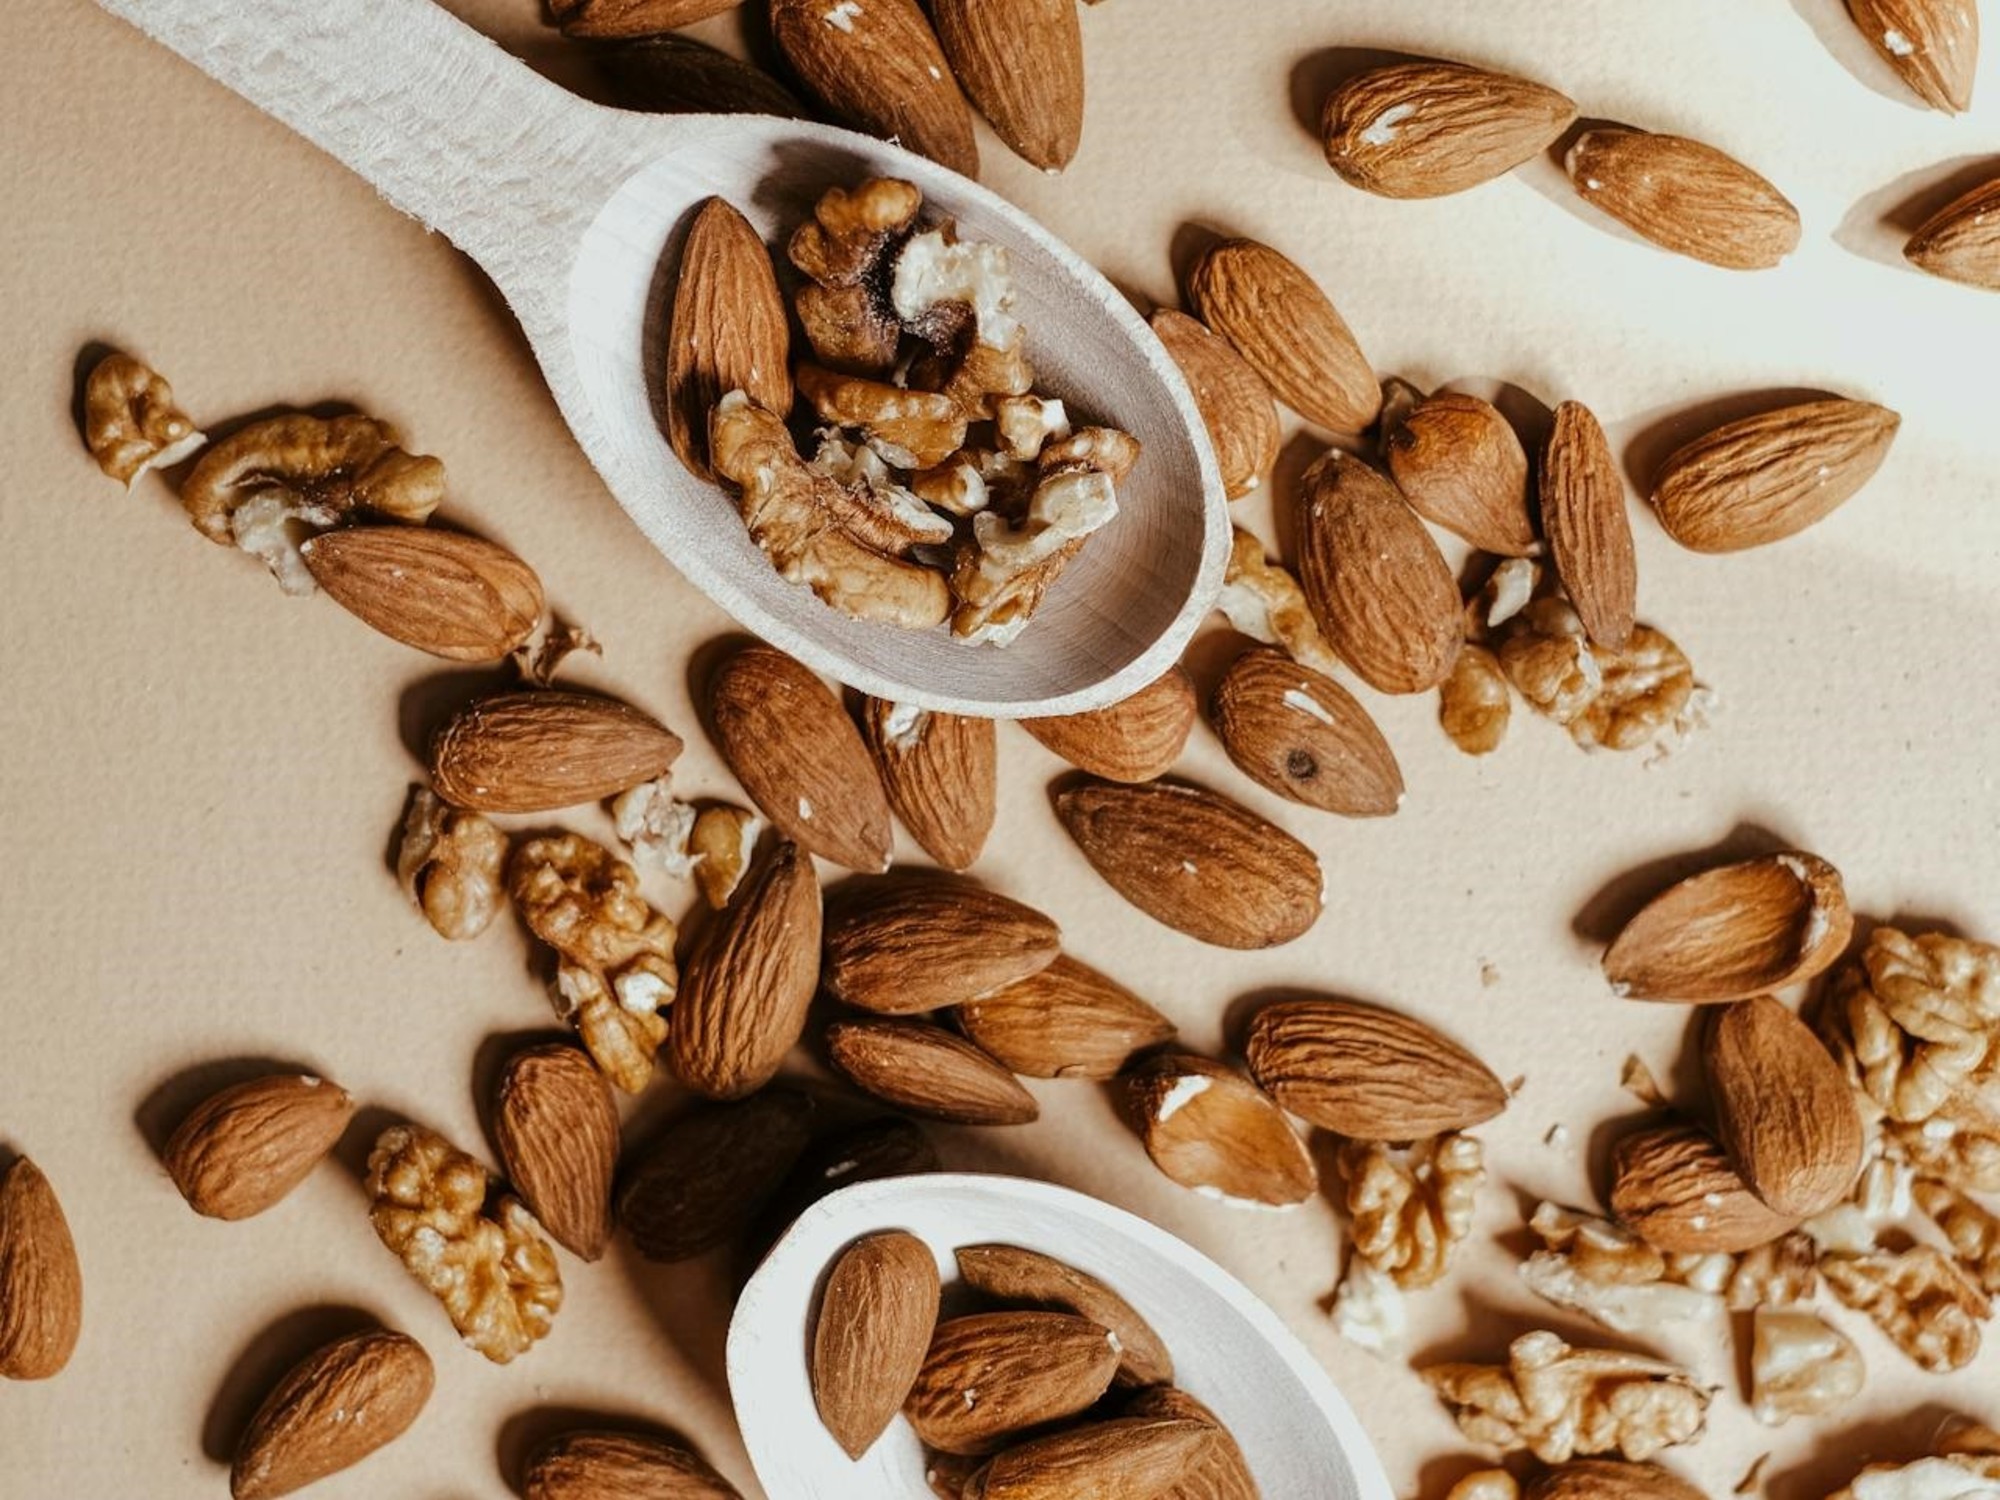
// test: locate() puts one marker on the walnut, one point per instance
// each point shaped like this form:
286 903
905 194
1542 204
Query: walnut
656 825
1412 1205
721 843
911 429
1915 1020
1972 1230
973 479
1780 1274
1960 1143
1610 1275
1961 1457
846 248
1919 1297
495 1275
1096 450
977 377
1506 593
1025 424
1369 1309
1558 1402
450 864
1645 687
1473 702
1264 601
621 1029
538 661
265 486
1001 573
1486 1484
130 422
887 515
1800 1366
935 277
1548 658
1643 693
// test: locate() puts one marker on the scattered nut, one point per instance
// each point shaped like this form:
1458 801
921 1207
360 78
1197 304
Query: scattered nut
1800 1366
1613 1277
1919 1297
1473 702
1413 1204
1486 1484
130 422
719 846
656 825
1369 1309
449 863
538 661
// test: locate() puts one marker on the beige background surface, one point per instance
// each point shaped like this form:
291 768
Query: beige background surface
200 775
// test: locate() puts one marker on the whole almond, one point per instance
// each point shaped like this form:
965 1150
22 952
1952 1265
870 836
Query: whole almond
1423 129
456 596
606 20
334 1408
675 74
41 1284
620 1466
1130 1458
1214 1131
900 944
1461 465
939 770
1674 1187
1961 241
924 1069
729 330
800 757
868 1152
700 1182
1607 1479
1235 404
1784 1109
1221 1473
879 68
1375 580
540 750
1196 861
1684 196
1134 739
1022 63
1932 44
745 991
991 1375
1589 532
876 1315
1368 1073
1770 476
556 1125
1733 932
242 1150
1008 1273
1303 736
1067 1021
1284 326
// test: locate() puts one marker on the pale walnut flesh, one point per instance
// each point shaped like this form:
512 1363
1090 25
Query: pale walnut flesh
1964 1465
886 514
1782 1274
1800 1366
656 825
1264 601
1604 1271
722 842
1641 694
621 1032
1003 571
131 423
1644 690
1486 1484
912 429
1412 1205
1369 1309
1919 1297
972 480
450 865
1547 657
1473 702
934 274
1972 1230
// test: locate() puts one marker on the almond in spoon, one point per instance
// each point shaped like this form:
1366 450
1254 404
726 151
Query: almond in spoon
1589 532
1134 739
1011 1274
729 330
1221 1473
991 1375
876 1316
1131 1458
1303 736
1423 129
1684 196
1784 1109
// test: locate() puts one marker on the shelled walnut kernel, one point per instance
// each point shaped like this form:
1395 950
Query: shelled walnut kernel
449 863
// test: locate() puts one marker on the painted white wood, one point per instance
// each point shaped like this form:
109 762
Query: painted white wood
1229 1349
575 211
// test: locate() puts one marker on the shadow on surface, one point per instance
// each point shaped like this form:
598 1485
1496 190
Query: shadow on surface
263 1361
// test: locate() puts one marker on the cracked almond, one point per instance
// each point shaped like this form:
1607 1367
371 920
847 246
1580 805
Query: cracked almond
1216 1133
1589 532
939 770
456 596
1423 129
1134 739
1304 736
1675 1188
1067 1021
899 944
1932 44
1461 465
728 330
1784 1109
1684 196
337 1406
41 1284
924 1069
242 1150
1235 404
876 1316
540 750
989 1376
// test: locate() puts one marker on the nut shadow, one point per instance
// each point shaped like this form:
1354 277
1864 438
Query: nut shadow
1316 74
1893 1439
262 1361
1657 433
1301 451
1881 222
1606 910
704 662
428 702
171 1100
530 1429
1488 1327
1829 22
1190 242
690 1302
489 1061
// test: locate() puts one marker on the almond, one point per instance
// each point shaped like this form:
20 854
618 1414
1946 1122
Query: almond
1607 1479
1684 196
1023 66
1375 580
700 1182
729 330
900 944
608 20
940 773
1284 326
1424 129
444 592
677 75
1590 535
1196 861
620 1466
41 1285
556 1124
1222 1472
1674 1187
1008 1273
1135 739
1932 44
862 1153
242 1150
1235 404
1733 932
1215 1132
879 68
540 750
1131 1458
876 1316
745 992
1770 476
1461 465
1068 1021
800 757
334 1408
992 1375
1961 241
926 1070
1303 736
1784 1110
1368 1073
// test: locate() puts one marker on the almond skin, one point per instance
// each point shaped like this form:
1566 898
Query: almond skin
1286 329
1784 1109
240 1151
677 75
1196 861
1961 241
620 1466
1010 1274
876 1316
1215 1132
556 1124
1770 476
1221 1473
1461 465
1589 532
700 1182
1022 64
1674 1187
336 1407
940 771
1367 1073
541 750
1374 579
1135 739
607 20
927 1071
901 944
1932 44
1235 404
41 1284
1131 1458
456 596
882 72
729 330
1424 129
1606 1479
1684 196
991 1375
1067 1021
887 1147
1303 736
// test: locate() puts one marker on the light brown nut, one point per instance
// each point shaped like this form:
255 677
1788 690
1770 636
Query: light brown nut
450 865
1235 405
727 331
905 943
1473 703
41 1284
918 428
1412 1205
244 1149
332 1409
1485 1484
1961 241
1783 1273
950 1475
1376 582
621 1032
556 1125
870 502
1002 571
1460 464
1932 44
1023 66
456 596
927 1071
539 750
1424 129
1302 735
1023 425
1673 1185
131 423
1134 739
1614 1278
1646 695
854 230
610 20
1800 1366
1549 660
677 75
1067 1021
1784 1111
701 1180
1972 1230
884 1147
1196 861
656 826
620 1466
1220 1472
1590 535
1919 1297
1130 1458
1684 196
1944 1473
721 845
940 771
1265 602
851 328
1368 1073
1010 1274
1215 1132
878 67
990 1376
873 1328
1282 323
539 661
1605 1479
976 378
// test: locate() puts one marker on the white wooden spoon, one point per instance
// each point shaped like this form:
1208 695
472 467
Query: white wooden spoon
573 210
1229 1349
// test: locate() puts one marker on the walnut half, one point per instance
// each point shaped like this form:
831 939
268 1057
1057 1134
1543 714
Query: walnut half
131 422
449 863
1412 1205
1919 1297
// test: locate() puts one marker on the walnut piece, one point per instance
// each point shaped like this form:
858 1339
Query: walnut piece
1369 1309
893 518
1800 1366
1604 1271
1548 658
1486 1484
1506 592
1002 572
721 844
1643 693
1645 687
1781 1274
934 273
450 865
1972 1230
973 479
656 825
846 249
1264 601
130 421
622 1038
495 1275
538 661
1473 702
1962 1457
1411 1205
1919 1297
911 429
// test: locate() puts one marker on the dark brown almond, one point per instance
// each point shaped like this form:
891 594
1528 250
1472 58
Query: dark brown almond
1131 1458
333 1409
541 750
940 771
1784 1109
876 1315
1221 1473
903 944
1961 241
240 1151
1235 404
608 19
729 330
1461 465
41 1284
700 1182
620 1466
1932 44
878 67
556 1124
456 596
867 1152
924 1069
1302 735
1675 1188
1022 63
1423 129
1215 1132
1068 1021
1011 1274
677 75
1589 532
992 1375
1684 196
1135 739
